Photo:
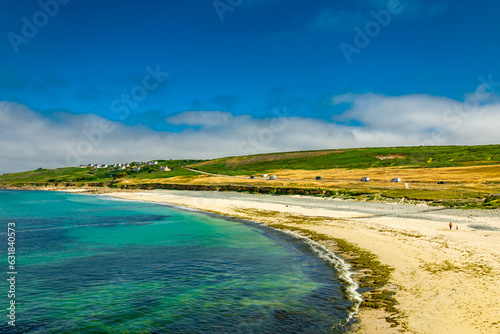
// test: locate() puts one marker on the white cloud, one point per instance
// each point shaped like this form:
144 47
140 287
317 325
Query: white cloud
200 118
428 120
29 139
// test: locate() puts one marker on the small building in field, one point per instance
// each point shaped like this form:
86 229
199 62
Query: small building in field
396 179
272 177
164 169
365 179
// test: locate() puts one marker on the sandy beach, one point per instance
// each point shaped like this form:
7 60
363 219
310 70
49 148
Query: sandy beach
446 281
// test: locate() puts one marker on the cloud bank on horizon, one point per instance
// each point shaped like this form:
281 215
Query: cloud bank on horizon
206 79
65 139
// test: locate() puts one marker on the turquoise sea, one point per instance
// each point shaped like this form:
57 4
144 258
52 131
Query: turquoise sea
91 264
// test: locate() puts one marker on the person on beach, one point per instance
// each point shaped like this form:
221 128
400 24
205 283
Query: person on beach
451 225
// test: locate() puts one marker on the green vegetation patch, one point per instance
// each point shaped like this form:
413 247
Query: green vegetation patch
359 158
428 195
80 176
476 269
373 277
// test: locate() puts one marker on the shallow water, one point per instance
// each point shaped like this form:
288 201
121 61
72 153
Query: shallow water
89 264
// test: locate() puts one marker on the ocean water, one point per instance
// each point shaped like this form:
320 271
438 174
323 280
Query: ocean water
91 264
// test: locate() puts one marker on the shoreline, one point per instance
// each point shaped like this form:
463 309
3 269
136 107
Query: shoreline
342 267
444 281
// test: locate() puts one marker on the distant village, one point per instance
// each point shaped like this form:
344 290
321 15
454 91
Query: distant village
135 166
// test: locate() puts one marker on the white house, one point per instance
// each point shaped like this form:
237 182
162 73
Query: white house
153 163
83 166
104 166
122 168
136 169
164 169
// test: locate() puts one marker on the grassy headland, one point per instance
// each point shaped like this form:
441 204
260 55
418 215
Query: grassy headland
357 158
471 173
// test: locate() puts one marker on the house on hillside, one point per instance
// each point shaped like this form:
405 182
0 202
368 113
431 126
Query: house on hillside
90 165
164 169
122 168
83 166
104 166
151 163
136 169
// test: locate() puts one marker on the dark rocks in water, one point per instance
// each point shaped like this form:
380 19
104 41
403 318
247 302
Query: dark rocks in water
281 314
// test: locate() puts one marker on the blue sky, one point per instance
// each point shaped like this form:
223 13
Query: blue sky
236 66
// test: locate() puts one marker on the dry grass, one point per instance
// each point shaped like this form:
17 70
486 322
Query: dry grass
390 157
452 174
466 186
467 178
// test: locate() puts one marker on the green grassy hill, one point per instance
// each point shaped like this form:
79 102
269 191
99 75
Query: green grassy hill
463 191
76 175
357 158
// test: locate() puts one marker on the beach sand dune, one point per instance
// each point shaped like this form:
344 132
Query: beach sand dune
446 281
